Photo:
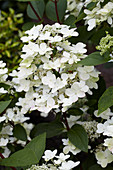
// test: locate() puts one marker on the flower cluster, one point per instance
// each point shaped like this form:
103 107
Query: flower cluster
49 73
74 7
13 116
99 14
91 128
105 156
106 44
58 163
94 16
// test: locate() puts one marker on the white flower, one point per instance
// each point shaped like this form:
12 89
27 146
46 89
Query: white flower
24 85
6 152
104 157
105 115
79 48
69 147
2 90
49 80
68 32
45 36
55 39
3 142
49 155
2 64
33 33
49 61
91 24
106 128
66 57
68 165
7 130
109 143
43 49
2 118
78 89
61 158
72 120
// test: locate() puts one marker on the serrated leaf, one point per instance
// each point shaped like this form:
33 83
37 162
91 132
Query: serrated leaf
94 59
38 6
106 100
78 137
30 155
4 105
19 132
75 111
51 10
52 129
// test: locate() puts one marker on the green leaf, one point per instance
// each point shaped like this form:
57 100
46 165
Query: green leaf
4 105
51 10
78 137
94 59
28 25
70 21
106 100
89 161
19 132
80 17
30 155
99 33
5 86
75 111
52 129
38 6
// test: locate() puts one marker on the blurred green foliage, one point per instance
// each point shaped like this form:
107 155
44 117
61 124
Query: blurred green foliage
17 6
10 33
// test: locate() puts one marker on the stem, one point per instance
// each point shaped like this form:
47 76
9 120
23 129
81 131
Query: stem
57 11
34 11
3 158
66 122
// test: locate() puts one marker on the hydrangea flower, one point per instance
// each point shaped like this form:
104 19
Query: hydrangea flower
104 115
49 155
104 157
49 73
69 147
99 14
109 143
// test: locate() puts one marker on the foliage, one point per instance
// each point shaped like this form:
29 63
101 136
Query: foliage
54 77
10 24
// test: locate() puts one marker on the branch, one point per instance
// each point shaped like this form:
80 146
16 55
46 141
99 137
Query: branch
34 11
57 11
